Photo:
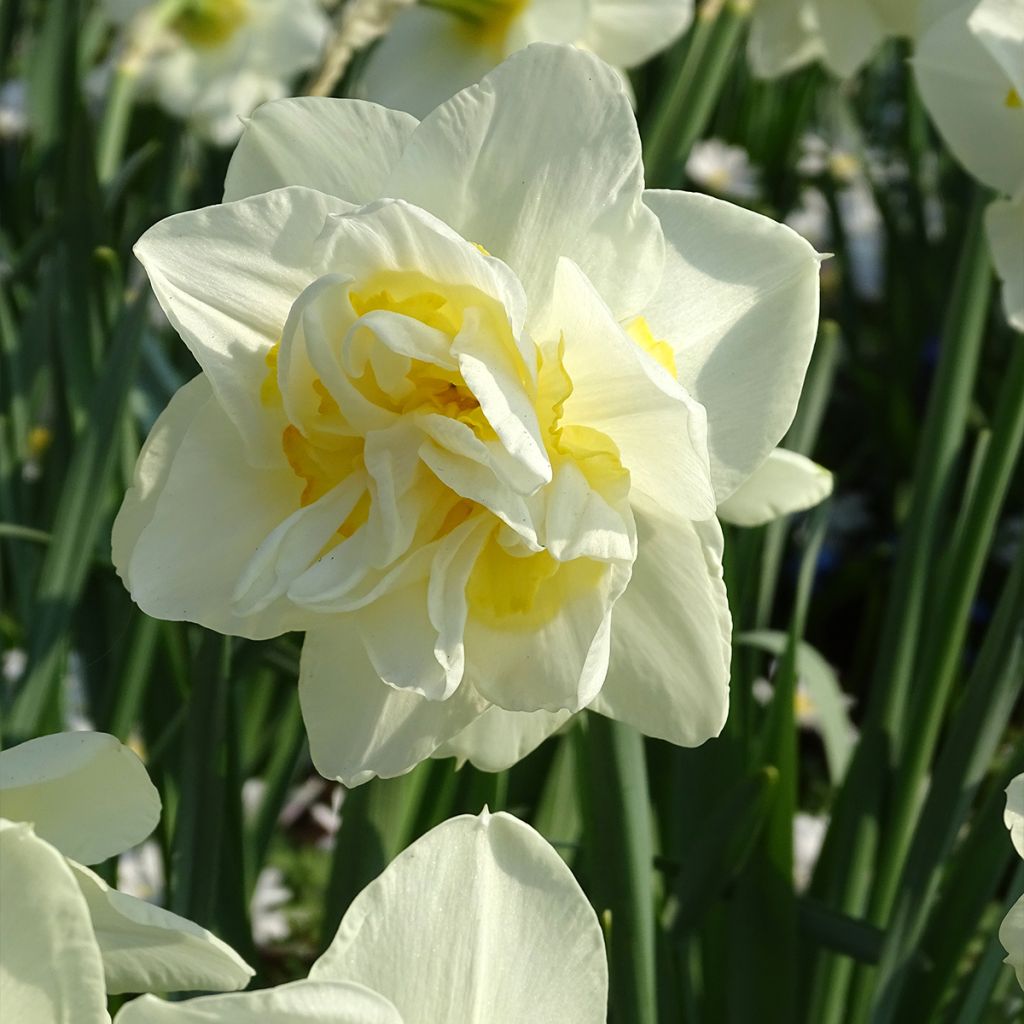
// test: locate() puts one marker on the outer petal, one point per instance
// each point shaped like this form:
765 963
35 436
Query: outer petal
344 148
627 32
572 190
851 32
226 277
84 792
785 482
784 36
1014 813
146 948
1004 225
1011 935
426 58
499 739
965 90
188 558
478 922
738 303
359 726
301 1002
50 971
671 630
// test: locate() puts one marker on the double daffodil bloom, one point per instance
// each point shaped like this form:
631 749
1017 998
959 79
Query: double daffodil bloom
212 62
969 67
842 34
470 437
66 938
1011 932
479 922
437 47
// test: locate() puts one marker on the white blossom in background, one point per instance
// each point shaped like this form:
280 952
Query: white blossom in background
140 873
809 832
14 662
217 60
1011 932
842 34
66 938
266 908
13 109
438 47
478 922
449 431
969 69
723 170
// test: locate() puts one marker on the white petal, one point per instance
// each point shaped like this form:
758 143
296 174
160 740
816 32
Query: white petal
1004 227
784 35
627 32
671 631
426 58
226 276
572 188
498 739
84 792
1011 935
344 148
738 303
147 948
1013 816
478 922
619 390
999 25
360 727
50 970
301 1002
785 482
851 32
208 520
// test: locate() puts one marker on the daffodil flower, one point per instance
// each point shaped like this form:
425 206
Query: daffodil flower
470 437
842 34
969 68
1011 932
437 47
479 922
212 62
66 938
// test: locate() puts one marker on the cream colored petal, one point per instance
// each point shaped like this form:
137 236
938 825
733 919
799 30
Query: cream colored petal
1004 227
784 483
851 30
147 948
671 630
360 727
478 922
999 25
84 792
498 739
627 32
301 1002
1011 935
50 969
342 147
1014 813
738 303
784 35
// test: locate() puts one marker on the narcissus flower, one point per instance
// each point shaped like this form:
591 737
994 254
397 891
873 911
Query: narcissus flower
437 47
842 34
214 61
1011 933
471 437
969 67
479 922
66 938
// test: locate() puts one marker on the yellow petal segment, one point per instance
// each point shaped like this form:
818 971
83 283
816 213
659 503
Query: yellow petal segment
1013 100
210 23
640 331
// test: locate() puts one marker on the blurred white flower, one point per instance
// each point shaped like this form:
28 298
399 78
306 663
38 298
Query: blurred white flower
1004 227
76 698
723 170
218 60
270 895
437 47
14 663
66 938
478 922
811 218
1011 933
808 838
140 872
13 108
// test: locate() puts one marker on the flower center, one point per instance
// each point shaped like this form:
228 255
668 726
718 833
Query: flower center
210 23
485 21
1013 100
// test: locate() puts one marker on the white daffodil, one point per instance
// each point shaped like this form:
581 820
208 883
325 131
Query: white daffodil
478 922
66 938
437 47
212 62
969 67
1011 933
842 34
723 170
447 433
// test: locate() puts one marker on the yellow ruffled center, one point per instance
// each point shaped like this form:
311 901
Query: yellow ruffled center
1013 100
484 22
211 23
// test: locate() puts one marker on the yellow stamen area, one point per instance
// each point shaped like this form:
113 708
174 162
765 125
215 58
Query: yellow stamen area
484 22
270 393
1013 100
39 440
428 307
803 706
640 331
211 23
319 466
